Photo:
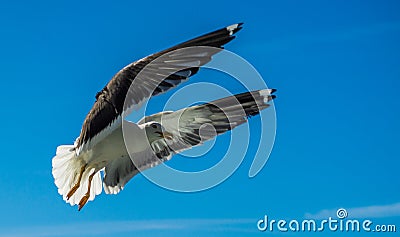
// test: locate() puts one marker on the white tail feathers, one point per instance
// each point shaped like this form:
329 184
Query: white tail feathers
66 169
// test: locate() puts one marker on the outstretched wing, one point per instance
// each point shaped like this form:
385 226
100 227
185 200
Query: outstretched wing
191 127
170 67
194 125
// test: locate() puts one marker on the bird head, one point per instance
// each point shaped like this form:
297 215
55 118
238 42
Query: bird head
156 131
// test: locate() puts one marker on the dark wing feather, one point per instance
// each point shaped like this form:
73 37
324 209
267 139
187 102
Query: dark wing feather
163 71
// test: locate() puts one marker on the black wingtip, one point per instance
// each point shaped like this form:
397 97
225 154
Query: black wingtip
273 90
239 26
234 28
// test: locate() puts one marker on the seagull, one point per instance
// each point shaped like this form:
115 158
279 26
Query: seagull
99 158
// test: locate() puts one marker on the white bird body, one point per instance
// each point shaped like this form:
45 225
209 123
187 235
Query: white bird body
112 146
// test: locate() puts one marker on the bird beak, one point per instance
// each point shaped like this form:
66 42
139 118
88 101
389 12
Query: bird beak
166 135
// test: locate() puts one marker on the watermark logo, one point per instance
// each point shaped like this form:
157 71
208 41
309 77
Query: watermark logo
340 223
341 213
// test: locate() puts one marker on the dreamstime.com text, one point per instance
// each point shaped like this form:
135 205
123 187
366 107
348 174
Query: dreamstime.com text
340 223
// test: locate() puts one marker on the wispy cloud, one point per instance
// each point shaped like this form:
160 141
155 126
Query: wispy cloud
108 227
376 211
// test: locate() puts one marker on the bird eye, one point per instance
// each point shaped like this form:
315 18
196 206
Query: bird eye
154 125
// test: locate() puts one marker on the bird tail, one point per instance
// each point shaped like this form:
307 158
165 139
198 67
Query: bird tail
66 170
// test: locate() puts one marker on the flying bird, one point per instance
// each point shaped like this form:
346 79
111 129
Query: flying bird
99 157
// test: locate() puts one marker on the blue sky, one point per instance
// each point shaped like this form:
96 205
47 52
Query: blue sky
336 65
